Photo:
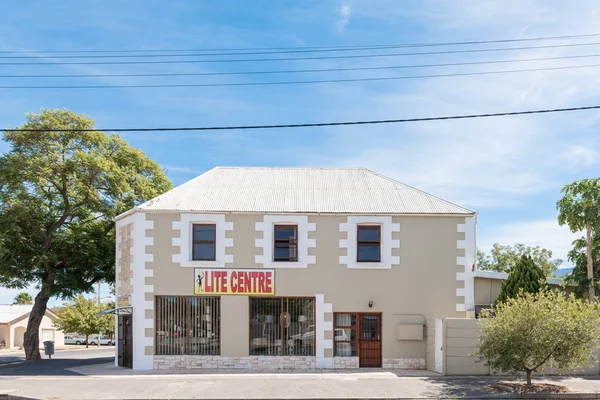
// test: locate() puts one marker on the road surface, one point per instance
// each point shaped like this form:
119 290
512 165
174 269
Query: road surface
14 364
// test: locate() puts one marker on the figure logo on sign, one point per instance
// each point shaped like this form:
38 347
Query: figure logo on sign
199 280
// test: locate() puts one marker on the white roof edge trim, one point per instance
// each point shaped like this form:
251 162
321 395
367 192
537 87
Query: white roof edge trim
309 213
490 274
503 276
127 213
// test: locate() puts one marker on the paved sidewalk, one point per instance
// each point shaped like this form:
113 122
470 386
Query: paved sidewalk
109 382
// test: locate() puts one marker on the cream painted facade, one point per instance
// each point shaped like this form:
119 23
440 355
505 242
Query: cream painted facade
11 333
430 277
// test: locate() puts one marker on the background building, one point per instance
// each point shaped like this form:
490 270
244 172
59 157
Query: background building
290 268
13 323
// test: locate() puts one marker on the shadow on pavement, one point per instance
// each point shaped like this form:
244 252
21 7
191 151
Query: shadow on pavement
9 359
50 367
474 387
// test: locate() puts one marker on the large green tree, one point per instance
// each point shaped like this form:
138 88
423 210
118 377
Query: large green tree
503 258
524 277
82 317
61 185
580 210
540 330
23 298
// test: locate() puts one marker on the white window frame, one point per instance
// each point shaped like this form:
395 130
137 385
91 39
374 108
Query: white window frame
267 226
184 241
387 244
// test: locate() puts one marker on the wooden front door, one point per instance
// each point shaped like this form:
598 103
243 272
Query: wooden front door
125 344
369 341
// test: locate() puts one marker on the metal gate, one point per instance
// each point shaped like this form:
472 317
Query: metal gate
370 340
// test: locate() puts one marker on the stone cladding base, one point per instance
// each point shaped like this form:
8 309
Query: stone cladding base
174 362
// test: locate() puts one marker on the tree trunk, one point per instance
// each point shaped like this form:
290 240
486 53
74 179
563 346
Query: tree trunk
31 339
87 341
529 376
590 264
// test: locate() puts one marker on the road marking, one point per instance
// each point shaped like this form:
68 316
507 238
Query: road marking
11 363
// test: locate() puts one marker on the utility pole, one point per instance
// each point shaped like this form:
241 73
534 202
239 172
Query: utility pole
99 333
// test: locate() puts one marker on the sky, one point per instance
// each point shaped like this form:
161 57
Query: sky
510 169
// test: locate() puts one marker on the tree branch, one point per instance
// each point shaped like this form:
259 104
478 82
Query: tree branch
67 211
542 362
109 227
60 265
96 279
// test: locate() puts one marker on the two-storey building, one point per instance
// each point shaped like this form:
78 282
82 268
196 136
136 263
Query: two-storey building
296 268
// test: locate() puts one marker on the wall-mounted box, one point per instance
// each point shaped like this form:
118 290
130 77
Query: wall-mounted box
409 332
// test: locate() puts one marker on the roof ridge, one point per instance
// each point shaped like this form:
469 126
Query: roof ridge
418 190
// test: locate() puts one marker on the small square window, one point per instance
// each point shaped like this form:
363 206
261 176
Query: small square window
368 246
285 243
204 242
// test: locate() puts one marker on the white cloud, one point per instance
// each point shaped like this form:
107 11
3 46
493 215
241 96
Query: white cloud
544 233
181 170
490 161
344 13
580 156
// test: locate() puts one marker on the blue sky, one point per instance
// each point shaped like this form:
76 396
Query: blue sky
511 170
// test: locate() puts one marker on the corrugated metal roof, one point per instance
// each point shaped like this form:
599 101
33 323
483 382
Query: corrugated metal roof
299 190
10 312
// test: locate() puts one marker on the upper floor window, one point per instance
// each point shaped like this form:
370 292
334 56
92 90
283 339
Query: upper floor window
285 246
204 242
368 245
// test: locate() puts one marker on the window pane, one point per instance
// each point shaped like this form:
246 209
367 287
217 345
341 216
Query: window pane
345 334
345 319
204 251
369 327
300 330
368 253
204 232
282 326
205 325
265 328
370 234
180 317
345 350
285 232
171 327
285 251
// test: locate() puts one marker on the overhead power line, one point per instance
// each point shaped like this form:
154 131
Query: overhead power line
294 71
320 124
33 57
236 53
408 45
390 78
301 58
